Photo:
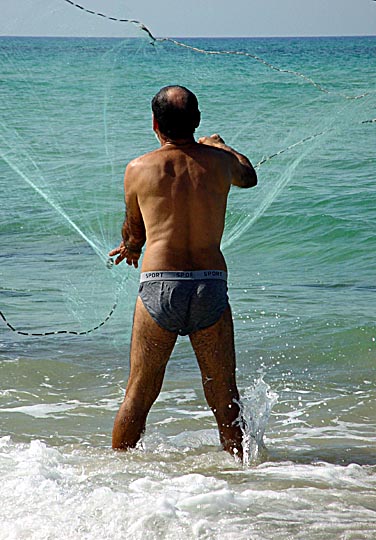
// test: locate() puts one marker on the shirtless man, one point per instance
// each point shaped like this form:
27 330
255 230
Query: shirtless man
176 202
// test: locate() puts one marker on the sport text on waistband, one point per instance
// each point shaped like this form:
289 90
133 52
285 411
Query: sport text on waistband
178 276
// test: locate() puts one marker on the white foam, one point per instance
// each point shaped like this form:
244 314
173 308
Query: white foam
41 410
92 494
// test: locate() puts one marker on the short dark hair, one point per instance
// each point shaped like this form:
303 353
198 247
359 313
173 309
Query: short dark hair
177 118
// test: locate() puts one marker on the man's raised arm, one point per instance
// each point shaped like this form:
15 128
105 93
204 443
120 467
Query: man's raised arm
244 174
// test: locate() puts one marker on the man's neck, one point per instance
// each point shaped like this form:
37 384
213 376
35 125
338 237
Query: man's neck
176 142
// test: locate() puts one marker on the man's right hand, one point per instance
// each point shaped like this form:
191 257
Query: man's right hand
125 252
118 251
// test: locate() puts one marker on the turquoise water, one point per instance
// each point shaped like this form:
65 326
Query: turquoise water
301 254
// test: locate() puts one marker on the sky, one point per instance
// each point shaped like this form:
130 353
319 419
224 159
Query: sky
190 18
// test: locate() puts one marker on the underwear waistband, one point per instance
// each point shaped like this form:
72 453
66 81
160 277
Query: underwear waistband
178 276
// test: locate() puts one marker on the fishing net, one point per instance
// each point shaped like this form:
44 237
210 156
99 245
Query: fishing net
75 111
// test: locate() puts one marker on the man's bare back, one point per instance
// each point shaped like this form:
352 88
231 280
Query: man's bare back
176 200
182 194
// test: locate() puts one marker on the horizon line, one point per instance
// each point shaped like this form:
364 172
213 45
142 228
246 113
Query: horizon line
191 37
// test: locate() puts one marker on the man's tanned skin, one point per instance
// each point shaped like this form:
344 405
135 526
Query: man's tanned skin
176 200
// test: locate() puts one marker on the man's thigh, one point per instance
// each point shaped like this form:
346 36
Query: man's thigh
151 347
215 352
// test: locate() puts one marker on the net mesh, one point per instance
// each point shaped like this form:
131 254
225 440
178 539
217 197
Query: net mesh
76 111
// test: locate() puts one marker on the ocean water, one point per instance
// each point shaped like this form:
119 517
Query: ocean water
301 254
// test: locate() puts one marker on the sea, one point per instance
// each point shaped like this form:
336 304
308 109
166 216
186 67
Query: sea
300 249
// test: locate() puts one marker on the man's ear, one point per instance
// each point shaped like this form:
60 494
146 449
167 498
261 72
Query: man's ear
155 124
198 119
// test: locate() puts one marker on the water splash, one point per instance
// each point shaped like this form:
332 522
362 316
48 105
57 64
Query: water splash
255 409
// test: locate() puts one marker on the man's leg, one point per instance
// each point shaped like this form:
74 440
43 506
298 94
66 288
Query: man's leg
151 348
215 352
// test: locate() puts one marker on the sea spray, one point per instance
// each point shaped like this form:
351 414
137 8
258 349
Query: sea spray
255 409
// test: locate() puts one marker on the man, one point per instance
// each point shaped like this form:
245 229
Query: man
176 202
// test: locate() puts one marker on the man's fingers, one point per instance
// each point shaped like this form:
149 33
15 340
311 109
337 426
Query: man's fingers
131 261
215 138
116 251
123 254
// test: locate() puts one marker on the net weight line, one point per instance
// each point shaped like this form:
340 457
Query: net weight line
306 139
271 66
56 332
131 21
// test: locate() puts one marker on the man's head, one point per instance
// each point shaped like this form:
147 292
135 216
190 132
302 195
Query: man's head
175 109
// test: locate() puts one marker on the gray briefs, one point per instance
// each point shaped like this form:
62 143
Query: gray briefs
184 302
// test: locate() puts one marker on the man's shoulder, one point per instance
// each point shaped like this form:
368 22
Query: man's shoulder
144 160
215 152
138 169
